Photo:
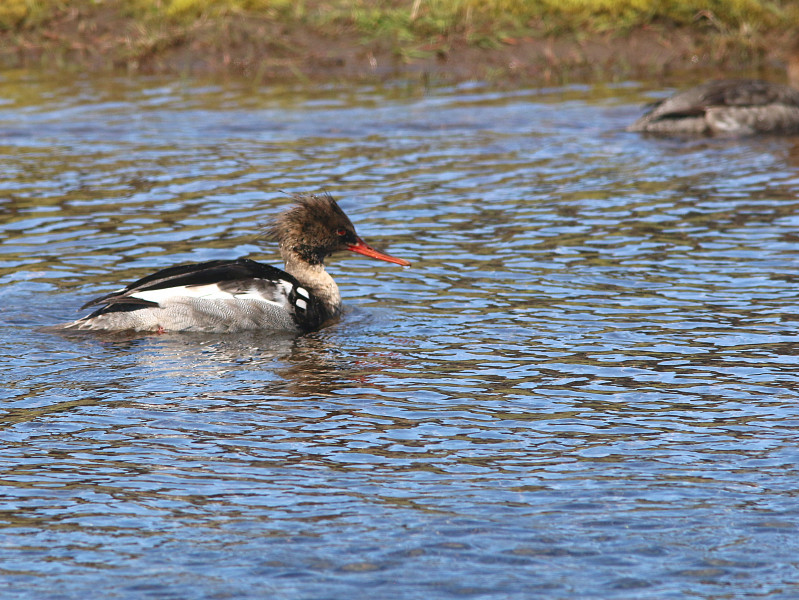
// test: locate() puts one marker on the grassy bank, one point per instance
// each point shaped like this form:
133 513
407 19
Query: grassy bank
311 37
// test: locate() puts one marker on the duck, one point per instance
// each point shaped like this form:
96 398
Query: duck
727 107
730 107
221 296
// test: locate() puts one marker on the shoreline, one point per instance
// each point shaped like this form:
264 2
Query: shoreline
268 50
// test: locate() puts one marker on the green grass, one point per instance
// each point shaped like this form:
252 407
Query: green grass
16 13
409 28
419 19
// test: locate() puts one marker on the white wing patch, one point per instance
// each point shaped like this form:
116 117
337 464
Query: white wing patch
301 304
213 292
208 292
304 293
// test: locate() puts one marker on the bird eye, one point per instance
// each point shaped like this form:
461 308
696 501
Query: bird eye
341 231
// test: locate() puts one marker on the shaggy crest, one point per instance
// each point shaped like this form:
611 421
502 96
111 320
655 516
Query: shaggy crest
313 228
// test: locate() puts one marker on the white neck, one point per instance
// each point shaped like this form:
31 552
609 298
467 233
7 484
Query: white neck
316 279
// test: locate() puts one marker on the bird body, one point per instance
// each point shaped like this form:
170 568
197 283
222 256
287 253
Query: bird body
240 295
725 107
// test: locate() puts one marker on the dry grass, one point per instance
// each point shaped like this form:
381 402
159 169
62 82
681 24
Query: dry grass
420 19
133 33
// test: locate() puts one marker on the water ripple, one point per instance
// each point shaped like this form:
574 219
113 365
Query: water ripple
584 387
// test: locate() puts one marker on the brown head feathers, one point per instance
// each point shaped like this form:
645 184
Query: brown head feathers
313 228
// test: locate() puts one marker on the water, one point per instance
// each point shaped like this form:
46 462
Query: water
585 387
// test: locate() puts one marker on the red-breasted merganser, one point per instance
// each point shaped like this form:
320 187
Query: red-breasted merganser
725 107
731 107
240 295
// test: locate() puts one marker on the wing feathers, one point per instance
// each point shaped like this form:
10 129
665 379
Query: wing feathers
215 272
229 286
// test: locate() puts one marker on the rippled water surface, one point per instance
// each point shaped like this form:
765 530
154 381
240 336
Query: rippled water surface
585 386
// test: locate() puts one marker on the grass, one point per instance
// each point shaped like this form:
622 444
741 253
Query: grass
417 20
131 29
493 19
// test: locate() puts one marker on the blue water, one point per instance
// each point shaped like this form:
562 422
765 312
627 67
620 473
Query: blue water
585 386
